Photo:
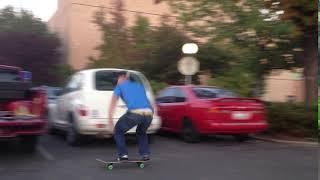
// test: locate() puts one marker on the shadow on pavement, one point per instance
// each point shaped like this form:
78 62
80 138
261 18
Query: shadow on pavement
92 141
12 150
213 139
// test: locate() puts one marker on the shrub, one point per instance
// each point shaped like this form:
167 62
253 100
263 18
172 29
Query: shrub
157 86
294 119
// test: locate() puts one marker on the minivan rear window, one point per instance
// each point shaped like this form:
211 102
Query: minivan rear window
105 80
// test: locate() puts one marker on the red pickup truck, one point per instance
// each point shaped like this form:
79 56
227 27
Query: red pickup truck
21 108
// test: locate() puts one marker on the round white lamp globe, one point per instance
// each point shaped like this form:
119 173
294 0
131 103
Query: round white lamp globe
190 48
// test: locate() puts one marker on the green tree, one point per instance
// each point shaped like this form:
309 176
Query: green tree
238 80
258 36
141 42
165 52
63 72
114 49
303 15
158 50
26 42
214 59
153 50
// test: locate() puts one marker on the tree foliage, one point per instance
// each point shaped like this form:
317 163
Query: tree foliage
265 34
318 44
152 50
238 80
114 47
26 42
240 25
165 54
303 14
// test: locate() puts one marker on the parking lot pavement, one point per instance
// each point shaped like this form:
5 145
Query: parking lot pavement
214 158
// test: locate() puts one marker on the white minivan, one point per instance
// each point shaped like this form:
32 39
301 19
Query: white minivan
82 107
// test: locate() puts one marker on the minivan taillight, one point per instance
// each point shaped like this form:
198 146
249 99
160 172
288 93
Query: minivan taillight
82 110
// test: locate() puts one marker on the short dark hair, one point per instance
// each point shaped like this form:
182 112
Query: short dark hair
121 73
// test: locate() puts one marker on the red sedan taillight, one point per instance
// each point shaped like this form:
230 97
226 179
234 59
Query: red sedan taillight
216 109
213 110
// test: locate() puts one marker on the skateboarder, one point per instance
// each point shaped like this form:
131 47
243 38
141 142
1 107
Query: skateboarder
140 113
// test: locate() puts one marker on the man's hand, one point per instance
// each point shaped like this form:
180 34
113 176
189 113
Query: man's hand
110 125
111 111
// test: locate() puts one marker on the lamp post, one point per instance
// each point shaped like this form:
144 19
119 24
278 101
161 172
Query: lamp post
189 65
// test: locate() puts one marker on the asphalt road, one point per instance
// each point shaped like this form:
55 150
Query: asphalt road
213 158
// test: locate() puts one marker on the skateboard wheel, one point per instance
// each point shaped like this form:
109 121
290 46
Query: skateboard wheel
141 165
110 167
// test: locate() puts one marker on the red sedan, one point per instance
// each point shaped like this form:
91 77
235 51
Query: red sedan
198 110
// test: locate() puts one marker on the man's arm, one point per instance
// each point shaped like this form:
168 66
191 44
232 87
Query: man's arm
112 106
113 103
151 101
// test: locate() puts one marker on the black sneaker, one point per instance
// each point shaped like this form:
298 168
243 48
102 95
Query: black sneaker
145 158
123 158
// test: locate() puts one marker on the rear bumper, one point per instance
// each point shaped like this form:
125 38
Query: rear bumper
235 128
104 132
100 128
11 129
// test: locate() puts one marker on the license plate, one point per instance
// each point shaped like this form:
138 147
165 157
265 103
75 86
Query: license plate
241 115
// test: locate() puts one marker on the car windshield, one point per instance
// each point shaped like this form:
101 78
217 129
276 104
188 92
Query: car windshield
210 92
9 75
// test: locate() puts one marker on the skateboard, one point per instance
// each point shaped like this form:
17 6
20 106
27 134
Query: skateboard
109 164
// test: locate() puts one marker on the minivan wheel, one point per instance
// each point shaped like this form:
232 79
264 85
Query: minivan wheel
50 126
189 133
73 137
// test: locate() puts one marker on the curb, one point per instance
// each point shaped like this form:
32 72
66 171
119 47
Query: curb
307 143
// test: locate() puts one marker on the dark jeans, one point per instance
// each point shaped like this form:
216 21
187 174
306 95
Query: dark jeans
125 123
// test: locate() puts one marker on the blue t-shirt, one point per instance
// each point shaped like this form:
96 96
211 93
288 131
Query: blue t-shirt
133 94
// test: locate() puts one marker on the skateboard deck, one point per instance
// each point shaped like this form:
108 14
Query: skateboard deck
109 164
